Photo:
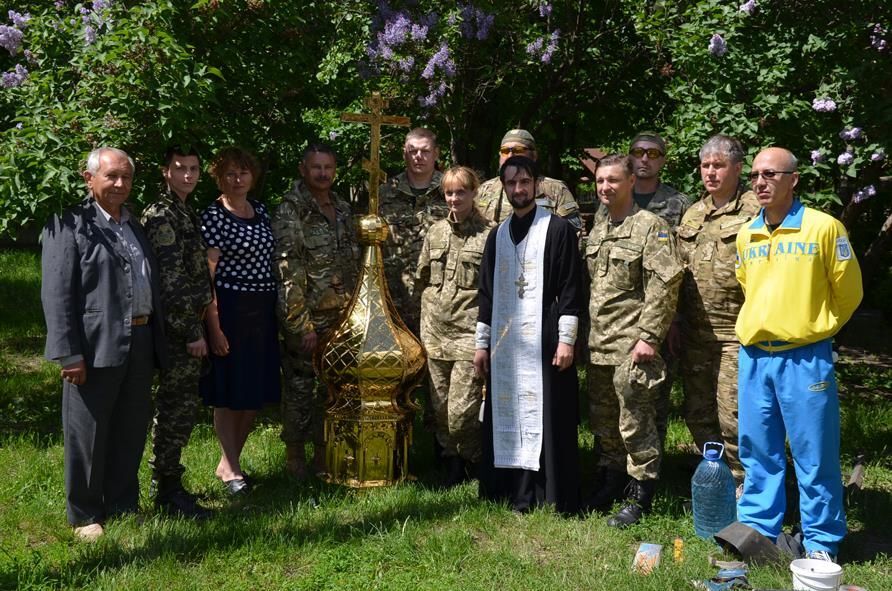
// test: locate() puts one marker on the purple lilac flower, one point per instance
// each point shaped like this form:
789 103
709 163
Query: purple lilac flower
396 31
451 19
845 159
419 32
467 21
717 45
877 35
748 7
850 133
60 4
816 157
89 35
101 5
864 193
441 60
406 63
19 20
545 10
534 48
551 47
436 93
10 39
823 105
878 156
484 24
386 52
14 78
333 135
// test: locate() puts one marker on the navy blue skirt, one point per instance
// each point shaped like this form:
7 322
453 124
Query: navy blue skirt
248 377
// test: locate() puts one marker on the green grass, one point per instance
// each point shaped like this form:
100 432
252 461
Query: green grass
314 536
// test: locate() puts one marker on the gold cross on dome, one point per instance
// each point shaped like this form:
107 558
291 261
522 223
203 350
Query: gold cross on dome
376 104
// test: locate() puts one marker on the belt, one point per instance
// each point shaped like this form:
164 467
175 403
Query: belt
140 320
773 346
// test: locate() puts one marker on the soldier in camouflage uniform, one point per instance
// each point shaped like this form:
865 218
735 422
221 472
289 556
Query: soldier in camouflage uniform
648 154
634 277
711 297
174 230
316 261
410 203
492 201
447 278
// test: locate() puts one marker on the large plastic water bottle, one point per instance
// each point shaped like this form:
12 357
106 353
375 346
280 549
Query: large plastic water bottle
712 493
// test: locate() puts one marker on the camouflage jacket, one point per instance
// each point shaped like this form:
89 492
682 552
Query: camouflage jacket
447 277
553 195
710 295
315 262
669 204
634 275
174 230
408 218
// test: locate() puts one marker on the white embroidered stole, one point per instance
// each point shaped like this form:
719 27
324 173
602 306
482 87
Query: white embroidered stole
516 346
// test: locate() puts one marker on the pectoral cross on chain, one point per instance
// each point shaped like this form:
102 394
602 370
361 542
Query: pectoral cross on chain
521 283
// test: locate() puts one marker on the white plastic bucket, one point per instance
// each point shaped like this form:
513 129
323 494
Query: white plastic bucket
815 575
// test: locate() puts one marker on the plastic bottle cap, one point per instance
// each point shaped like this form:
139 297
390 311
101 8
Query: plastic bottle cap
712 454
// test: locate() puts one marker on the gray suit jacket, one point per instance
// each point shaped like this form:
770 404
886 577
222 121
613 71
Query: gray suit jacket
86 289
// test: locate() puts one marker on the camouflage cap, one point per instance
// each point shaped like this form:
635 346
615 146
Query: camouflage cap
521 136
649 136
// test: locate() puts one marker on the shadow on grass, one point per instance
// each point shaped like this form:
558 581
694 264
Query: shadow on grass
267 516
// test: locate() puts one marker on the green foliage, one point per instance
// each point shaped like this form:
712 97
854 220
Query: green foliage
273 75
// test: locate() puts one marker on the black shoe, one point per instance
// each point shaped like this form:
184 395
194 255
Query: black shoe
638 504
608 488
455 471
236 487
180 502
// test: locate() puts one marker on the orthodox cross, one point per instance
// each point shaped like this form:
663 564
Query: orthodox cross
376 119
521 283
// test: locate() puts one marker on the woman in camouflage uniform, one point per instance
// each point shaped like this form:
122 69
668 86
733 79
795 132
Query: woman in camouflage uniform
446 276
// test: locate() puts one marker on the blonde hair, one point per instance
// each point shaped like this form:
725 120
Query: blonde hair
463 176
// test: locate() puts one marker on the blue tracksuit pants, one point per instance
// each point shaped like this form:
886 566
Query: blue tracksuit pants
791 395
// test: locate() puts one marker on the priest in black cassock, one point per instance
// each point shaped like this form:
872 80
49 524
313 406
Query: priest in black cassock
526 331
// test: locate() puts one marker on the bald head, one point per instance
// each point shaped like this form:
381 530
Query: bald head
774 179
781 155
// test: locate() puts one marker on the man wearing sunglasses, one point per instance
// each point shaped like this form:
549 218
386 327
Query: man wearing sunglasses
801 284
551 194
648 153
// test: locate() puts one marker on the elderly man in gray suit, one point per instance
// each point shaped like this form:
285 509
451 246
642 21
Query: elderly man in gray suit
105 328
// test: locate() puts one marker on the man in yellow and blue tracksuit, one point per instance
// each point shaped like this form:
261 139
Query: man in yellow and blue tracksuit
801 283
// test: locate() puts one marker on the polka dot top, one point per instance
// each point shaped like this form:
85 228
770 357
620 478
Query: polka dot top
246 247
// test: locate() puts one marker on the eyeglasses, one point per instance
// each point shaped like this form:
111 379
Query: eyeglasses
652 153
515 150
766 174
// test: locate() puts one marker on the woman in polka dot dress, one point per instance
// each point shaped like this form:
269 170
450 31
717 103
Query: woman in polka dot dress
241 320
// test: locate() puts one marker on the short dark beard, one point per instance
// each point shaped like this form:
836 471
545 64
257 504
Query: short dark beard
518 204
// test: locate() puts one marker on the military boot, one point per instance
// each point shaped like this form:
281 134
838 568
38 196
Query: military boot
295 460
173 499
455 471
608 488
638 504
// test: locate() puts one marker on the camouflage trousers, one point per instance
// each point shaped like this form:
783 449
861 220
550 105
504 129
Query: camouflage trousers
455 395
176 406
302 398
709 374
622 401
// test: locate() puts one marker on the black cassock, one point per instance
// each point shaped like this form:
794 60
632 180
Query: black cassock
557 481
